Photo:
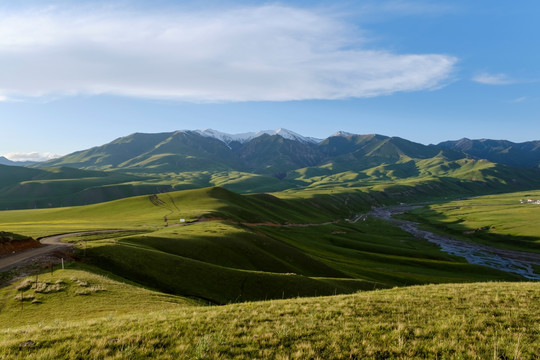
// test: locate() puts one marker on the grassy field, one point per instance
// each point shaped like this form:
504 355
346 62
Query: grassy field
235 248
149 290
78 292
374 251
464 321
222 262
152 212
498 220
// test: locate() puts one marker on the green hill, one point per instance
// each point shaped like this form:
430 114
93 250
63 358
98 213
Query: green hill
78 292
248 247
465 321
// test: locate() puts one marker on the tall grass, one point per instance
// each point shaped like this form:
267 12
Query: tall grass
466 321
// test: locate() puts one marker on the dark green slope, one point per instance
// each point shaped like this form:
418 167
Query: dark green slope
184 151
22 188
177 151
277 155
110 155
383 146
526 154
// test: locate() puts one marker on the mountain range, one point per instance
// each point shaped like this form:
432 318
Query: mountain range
6 161
526 154
270 161
264 152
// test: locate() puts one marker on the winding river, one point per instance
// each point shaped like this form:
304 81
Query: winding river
516 262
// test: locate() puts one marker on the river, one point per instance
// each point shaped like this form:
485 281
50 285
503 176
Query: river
516 262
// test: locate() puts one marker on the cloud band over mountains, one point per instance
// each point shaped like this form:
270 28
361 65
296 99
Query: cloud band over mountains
266 53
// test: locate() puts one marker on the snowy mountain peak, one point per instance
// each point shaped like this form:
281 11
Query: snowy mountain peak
342 134
245 137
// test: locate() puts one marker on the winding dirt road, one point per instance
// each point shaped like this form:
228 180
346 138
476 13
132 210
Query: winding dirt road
516 262
51 244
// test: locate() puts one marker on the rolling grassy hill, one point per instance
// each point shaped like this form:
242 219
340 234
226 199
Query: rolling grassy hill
139 292
485 320
248 247
78 292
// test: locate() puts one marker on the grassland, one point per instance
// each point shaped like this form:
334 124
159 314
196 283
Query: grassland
144 291
156 211
78 292
498 220
248 247
465 321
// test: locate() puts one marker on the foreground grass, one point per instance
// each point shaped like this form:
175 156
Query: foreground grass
77 292
498 220
465 321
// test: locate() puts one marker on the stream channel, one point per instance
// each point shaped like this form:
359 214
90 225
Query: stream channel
516 262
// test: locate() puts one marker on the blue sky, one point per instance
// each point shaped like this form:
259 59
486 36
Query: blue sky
80 74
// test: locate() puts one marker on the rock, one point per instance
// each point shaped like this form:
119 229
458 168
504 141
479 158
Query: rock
28 343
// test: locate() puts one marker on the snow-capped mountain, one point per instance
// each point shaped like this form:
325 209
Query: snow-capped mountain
245 137
342 134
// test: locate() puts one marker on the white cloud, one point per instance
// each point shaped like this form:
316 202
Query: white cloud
251 54
519 99
32 156
493 79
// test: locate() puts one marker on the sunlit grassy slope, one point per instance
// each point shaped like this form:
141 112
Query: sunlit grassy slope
155 211
468 321
499 220
249 247
78 292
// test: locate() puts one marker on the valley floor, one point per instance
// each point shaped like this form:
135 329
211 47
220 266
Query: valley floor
511 261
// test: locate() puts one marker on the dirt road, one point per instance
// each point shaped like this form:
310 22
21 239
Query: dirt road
516 262
51 244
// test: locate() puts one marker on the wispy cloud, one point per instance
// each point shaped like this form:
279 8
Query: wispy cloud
32 156
265 53
494 79
519 99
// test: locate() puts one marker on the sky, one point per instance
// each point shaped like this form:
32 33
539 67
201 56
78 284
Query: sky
78 74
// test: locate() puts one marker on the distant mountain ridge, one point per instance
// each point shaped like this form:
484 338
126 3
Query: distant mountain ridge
264 161
6 161
266 152
245 137
203 149
526 154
